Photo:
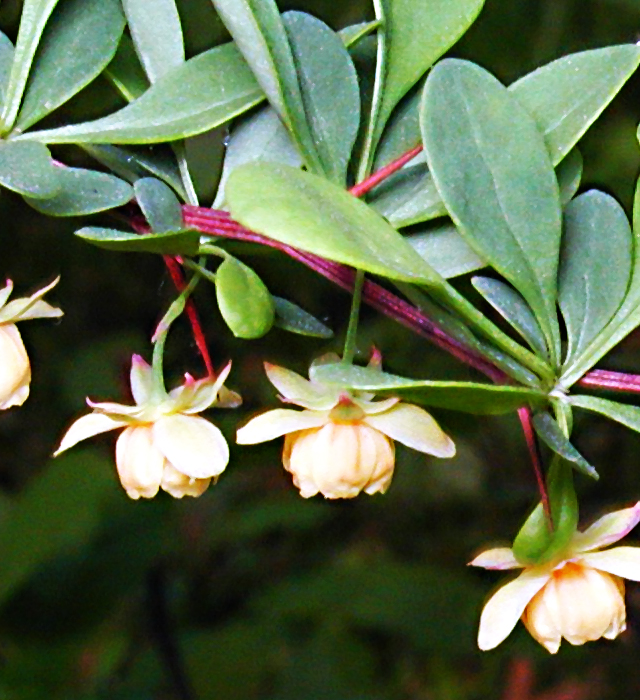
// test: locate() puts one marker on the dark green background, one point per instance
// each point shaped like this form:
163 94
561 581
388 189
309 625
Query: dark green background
250 591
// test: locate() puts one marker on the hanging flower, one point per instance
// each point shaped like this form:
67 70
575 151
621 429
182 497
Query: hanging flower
579 596
342 443
15 369
163 444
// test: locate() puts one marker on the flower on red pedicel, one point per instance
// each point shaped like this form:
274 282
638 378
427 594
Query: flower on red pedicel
578 596
343 442
163 444
15 368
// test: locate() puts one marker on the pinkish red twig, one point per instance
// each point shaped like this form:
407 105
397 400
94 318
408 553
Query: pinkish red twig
380 175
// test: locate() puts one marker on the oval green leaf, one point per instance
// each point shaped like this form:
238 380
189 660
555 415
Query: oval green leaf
27 168
169 243
159 204
290 317
551 434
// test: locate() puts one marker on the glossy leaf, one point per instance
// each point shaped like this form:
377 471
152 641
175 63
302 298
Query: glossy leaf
169 243
159 204
259 33
537 542
156 36
204 92
491 167
567 95
310 213
125 72
619 412
514 309
459 396
34 17
27 168
290 317
595 267
6 61
625 319
569 174
446 250
417 33
83 192
551 434
80 40
131 163
261 136
329 89
409 197
244 301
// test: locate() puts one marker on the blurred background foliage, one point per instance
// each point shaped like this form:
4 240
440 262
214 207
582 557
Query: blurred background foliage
249 591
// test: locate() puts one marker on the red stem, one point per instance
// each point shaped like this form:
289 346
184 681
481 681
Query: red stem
526 420
382 174
614 381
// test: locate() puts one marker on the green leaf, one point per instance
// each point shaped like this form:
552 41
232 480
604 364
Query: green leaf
244 301
408 197
58 511
6 61
78 43
537 543
569 174
310 213
445 250
352 34
595 267
157 36
159 205
417 33
491 167
169 243
131 163
622 413
27 168
402 131
290 317
204 92
125 71
33 20
566 96
329 89
261 136
514 309
551 434
83 192
469 397
258 31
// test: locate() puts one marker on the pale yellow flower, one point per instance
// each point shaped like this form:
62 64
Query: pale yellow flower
15 369
342 443
578 596
164 446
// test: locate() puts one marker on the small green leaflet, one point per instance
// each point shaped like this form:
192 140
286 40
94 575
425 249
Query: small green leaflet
619 412
551 434
169 243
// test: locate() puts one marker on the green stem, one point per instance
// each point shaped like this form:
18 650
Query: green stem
352 330
162 331
183 165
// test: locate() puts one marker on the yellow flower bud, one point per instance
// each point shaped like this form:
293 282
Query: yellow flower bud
339 460
578 603
15 370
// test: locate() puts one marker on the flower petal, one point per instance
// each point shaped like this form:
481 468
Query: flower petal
620 561
505 607
86 427
6 293
413 427
371 408
15 369
280 421
497 558
301 391
192 444
608 529
30 307
142 380
196 396
139 413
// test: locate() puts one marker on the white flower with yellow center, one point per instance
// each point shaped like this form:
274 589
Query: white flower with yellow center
15 369
578 596
342 443
163 445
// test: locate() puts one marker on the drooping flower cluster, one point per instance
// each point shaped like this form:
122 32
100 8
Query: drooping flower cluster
164 445
342 443
15 368
578 596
